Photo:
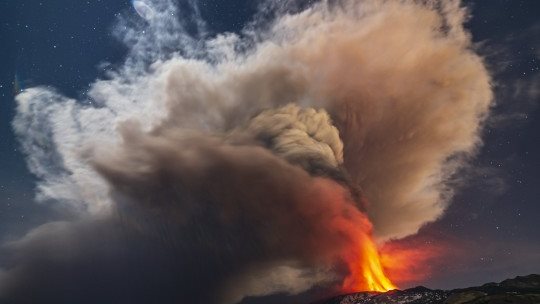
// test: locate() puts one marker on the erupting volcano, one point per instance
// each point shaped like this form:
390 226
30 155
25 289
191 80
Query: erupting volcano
217 167
306 137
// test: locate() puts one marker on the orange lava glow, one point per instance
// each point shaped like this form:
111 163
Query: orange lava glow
409 261
366 270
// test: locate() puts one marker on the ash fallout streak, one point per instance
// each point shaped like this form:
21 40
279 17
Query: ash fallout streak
239 167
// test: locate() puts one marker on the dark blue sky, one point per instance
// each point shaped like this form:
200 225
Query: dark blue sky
493 217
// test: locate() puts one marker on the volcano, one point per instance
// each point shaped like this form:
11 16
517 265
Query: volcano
521 289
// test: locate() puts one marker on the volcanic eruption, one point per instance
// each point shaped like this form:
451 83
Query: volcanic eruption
367 273
222 168
306 137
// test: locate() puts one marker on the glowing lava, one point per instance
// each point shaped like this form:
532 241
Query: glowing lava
359 253
366 272
373 271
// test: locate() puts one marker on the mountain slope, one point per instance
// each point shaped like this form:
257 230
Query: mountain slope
522 290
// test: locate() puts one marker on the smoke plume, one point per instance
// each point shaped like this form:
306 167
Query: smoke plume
211 168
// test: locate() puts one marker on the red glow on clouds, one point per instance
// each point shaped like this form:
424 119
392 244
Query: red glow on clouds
409 260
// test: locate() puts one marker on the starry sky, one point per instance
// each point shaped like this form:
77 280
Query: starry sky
490 231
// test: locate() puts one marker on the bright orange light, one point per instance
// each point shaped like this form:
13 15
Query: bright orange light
366 270
373 270
358 250
409 261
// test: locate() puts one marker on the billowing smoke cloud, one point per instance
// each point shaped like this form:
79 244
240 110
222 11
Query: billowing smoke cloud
235 166
304 137
217 211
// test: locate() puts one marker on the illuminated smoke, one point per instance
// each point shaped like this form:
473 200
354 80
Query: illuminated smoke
244 153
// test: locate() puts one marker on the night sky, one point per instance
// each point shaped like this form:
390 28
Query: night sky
490 231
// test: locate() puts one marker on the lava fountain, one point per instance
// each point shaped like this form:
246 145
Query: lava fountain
366 272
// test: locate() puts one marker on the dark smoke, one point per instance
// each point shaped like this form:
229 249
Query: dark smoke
192 212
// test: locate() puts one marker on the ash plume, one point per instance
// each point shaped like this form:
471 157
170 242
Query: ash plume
241 165
303 136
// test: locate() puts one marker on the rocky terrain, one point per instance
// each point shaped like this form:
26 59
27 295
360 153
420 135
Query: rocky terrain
522 290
